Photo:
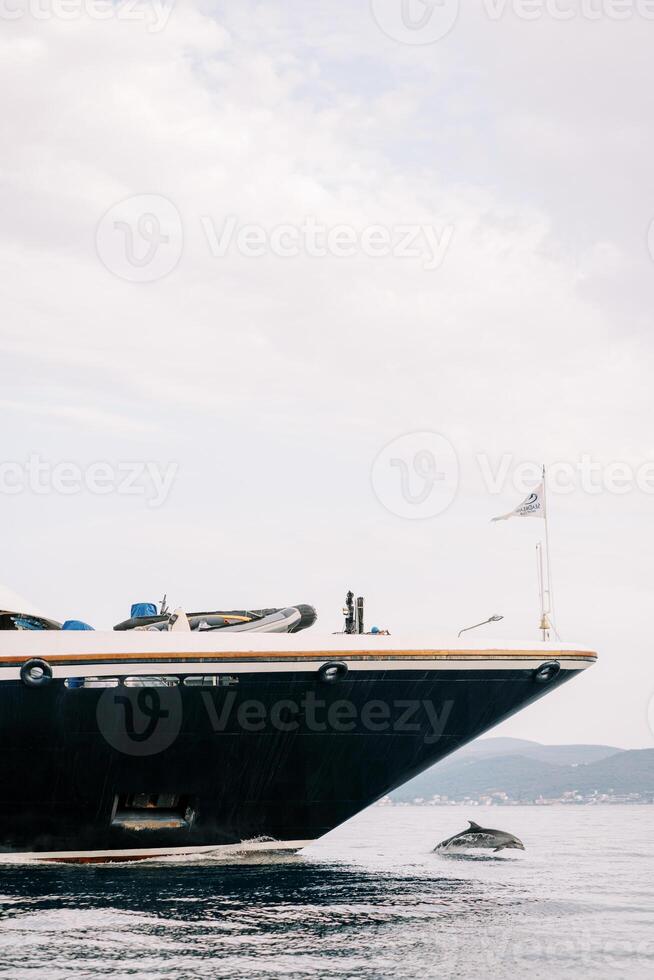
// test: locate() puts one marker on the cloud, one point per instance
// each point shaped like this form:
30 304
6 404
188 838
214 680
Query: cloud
81 416
274 382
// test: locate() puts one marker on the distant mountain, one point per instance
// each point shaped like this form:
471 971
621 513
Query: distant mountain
525 771
560 755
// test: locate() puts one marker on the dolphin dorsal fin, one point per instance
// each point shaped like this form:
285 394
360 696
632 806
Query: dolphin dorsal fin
473 825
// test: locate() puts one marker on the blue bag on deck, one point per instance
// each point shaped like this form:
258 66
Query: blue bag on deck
142 609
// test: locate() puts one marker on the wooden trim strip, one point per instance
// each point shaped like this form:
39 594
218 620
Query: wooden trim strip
312 656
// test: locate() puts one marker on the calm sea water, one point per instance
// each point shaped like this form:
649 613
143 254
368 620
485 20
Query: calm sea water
371 900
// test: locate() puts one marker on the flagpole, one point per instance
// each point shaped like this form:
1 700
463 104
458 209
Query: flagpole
535 505
541 588
548 568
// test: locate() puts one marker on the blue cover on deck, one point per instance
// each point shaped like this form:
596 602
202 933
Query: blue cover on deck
27 623
75 624
142 609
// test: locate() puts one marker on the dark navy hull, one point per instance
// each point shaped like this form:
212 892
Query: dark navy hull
271 754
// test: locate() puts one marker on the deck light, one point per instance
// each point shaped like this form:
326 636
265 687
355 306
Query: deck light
491 619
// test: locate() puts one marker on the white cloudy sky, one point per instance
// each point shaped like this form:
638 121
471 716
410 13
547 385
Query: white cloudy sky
274 382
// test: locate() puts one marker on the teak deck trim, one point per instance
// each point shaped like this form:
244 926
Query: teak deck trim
251 656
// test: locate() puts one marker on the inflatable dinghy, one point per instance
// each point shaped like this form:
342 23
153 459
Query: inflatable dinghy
291 619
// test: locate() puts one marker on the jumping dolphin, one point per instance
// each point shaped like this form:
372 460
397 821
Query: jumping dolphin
476 836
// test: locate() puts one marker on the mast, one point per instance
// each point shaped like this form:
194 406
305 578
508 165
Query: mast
550 588
544 622
545 574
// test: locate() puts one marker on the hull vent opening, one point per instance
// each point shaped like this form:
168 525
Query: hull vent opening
152 811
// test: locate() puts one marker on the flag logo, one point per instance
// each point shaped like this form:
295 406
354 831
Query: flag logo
533 506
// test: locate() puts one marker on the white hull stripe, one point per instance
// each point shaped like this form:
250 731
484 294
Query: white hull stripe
182 668
142 853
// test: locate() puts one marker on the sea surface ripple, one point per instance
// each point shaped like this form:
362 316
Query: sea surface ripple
371 900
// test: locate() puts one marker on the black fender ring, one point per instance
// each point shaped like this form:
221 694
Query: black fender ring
547 671
333 671
29 673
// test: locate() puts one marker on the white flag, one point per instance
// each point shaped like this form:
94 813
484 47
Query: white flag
533 506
